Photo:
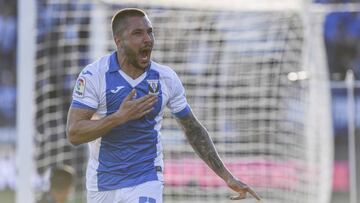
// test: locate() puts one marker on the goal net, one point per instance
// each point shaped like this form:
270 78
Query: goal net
254 74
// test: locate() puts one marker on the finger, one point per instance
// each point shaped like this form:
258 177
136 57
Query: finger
254 194
237 197
147 104
130 96
145 98
145 112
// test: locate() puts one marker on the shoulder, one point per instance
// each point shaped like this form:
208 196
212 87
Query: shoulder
97 68
164 71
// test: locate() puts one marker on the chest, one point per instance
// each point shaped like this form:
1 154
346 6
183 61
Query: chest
117 88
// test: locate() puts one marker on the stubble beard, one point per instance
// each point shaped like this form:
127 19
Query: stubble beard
132 58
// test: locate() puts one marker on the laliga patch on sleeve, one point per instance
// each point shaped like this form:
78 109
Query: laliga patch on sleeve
80 87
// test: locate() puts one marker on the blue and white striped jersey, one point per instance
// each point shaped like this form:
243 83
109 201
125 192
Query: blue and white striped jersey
130 153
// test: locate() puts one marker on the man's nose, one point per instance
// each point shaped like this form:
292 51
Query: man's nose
148 38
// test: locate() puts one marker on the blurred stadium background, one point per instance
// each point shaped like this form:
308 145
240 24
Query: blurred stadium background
243 58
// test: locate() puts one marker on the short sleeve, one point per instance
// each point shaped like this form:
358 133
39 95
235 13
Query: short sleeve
177 101
85 93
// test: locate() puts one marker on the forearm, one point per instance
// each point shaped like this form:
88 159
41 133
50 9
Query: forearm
201 142
83 131
203 145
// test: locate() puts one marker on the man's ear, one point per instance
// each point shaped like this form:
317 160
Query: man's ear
118 41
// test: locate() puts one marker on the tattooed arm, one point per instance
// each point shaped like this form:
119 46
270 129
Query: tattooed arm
201 142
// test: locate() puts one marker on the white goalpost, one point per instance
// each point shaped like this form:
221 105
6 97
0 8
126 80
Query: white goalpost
255 75
25 100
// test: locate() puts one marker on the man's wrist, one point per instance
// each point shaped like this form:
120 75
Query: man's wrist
115 120
229 178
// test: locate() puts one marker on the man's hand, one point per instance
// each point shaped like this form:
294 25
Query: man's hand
242 189
132 109
81 129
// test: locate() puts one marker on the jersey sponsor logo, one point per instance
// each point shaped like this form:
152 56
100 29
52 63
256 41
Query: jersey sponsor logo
153 86
118 88
80 87
146 200
86 72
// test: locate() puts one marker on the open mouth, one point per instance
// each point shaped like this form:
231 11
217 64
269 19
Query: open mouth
144 55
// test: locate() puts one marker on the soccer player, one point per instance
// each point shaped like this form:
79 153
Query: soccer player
127 92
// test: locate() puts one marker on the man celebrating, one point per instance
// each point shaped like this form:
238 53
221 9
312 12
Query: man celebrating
127 92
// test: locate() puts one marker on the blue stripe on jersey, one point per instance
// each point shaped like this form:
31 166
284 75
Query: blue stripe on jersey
128 151
79 105
183 113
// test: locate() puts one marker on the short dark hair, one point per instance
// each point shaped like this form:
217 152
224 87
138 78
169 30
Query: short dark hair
61 177
117 22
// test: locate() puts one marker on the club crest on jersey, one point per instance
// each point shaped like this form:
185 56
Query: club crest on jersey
80 87
153 86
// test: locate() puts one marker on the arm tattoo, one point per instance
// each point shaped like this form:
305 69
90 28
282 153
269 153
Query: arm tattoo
201 142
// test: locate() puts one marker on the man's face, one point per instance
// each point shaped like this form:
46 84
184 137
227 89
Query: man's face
137 41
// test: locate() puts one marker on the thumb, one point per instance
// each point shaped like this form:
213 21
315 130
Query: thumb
130 96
